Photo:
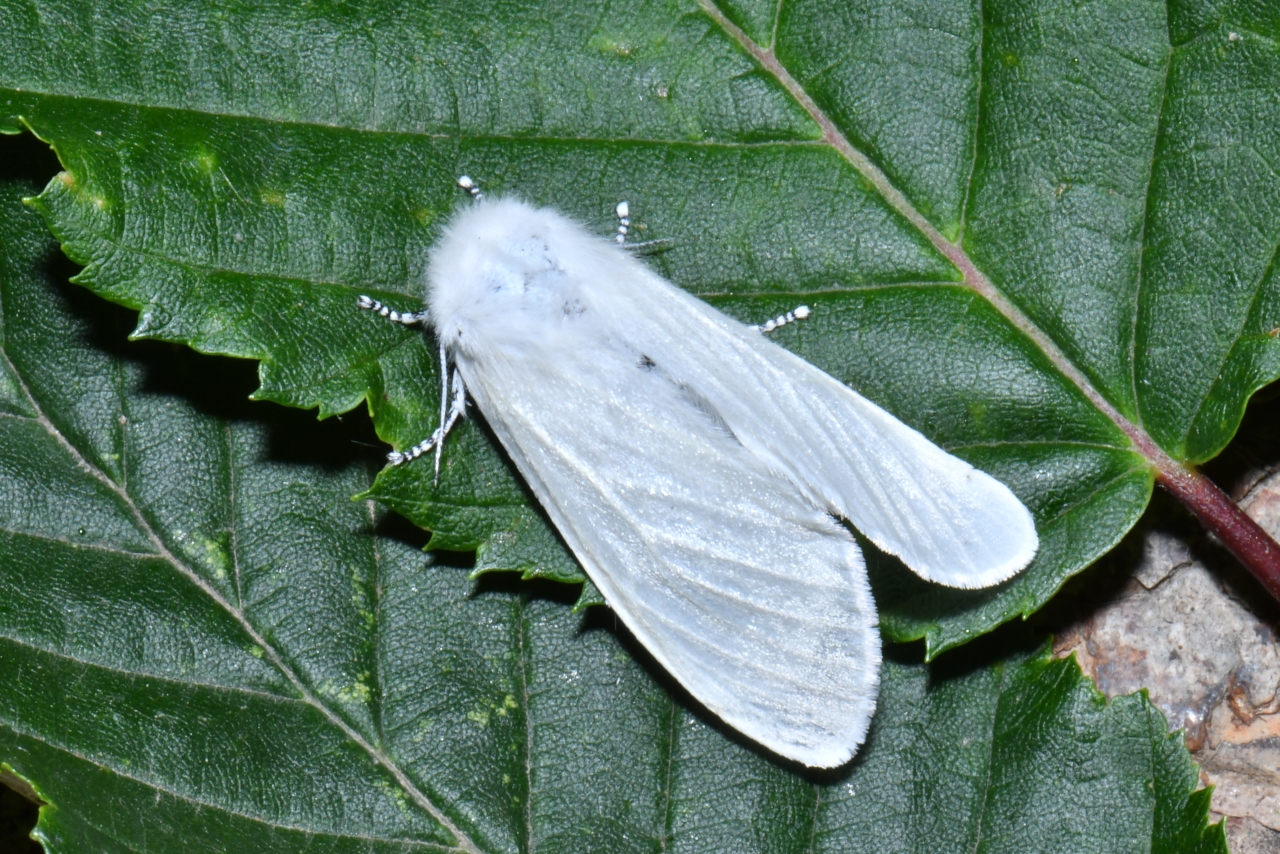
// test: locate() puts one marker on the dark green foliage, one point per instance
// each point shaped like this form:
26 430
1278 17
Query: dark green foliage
235 646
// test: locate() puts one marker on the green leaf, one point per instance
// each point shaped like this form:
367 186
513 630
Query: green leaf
1041 232
208 647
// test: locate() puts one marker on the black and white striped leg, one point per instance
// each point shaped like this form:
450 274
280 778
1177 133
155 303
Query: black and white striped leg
466 183
454 410
408 318
457 406
800 313
623 210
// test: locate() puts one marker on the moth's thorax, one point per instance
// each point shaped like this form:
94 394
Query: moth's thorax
505 272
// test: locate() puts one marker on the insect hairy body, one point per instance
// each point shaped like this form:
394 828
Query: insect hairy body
694 468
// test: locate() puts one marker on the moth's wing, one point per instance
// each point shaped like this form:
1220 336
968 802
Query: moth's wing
755 600
947 521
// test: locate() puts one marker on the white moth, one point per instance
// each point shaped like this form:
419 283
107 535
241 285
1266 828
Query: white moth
698 471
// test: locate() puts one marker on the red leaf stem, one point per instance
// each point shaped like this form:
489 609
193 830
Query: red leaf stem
1242 536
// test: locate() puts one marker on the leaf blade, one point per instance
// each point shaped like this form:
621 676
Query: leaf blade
147 720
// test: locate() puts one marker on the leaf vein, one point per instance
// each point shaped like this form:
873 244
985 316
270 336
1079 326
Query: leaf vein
1240 334
522 653
375 607
315 834
233 527
379 758
668 775
236 690
990 762
977 121
94 546
1031 443
813 820
1084 499
451 136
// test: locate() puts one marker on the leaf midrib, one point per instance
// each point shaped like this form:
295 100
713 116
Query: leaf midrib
972 277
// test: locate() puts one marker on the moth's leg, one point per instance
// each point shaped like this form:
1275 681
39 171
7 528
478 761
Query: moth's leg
800 313
465 182
408 318
454 409
450 412
623 210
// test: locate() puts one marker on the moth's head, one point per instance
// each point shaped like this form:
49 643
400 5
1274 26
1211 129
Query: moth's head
503 265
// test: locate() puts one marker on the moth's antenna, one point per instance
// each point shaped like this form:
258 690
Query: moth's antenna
471 187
